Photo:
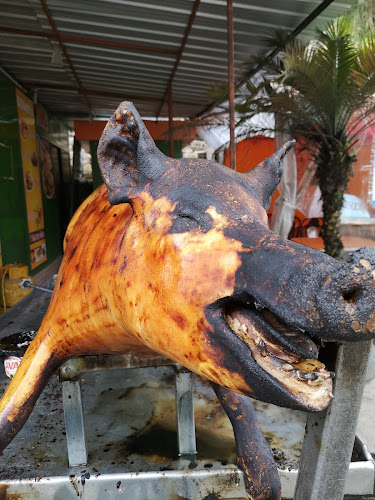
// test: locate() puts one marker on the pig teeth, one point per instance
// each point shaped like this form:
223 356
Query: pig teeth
264 351
233 323
318 381
290 362
236 325
287 367
309 375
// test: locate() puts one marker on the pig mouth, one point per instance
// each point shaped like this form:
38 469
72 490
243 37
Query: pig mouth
286 354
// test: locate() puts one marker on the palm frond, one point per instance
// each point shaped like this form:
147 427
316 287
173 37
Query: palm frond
323 89
217 92
364 74
276 39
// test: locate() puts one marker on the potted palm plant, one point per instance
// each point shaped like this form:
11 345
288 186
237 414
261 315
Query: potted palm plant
323 93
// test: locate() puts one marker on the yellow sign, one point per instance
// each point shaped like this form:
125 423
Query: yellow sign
31 177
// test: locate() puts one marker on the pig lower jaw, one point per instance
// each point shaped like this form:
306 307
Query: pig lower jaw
306 379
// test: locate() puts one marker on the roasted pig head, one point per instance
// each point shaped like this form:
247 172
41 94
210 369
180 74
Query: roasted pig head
176 257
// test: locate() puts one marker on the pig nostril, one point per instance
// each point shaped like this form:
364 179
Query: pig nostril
351 296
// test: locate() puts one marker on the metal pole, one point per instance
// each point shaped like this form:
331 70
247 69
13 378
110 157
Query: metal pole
87 41
306 22
329 436
231 83
170 116
179 55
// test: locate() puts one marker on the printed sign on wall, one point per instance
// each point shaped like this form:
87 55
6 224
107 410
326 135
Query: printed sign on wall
48 179
31 176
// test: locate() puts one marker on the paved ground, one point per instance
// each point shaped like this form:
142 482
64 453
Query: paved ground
366 424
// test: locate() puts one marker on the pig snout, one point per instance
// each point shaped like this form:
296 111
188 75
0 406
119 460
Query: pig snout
306 289
346 300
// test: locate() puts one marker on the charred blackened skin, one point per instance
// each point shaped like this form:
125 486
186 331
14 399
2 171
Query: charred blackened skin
254 456
10 426
176 257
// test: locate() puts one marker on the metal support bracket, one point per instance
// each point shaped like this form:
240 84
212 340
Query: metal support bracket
72 400
74 423
185 413
329 435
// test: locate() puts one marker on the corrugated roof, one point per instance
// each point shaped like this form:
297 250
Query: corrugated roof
127 50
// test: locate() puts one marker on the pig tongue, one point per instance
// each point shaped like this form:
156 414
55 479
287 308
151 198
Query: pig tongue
285 343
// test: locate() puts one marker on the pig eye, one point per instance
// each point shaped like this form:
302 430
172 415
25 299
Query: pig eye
184 223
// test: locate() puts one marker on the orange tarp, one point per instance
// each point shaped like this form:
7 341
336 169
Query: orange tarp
249 153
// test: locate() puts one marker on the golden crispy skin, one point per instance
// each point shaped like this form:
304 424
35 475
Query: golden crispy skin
109 299
125 279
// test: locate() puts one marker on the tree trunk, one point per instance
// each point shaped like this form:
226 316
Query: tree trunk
334 165
331 230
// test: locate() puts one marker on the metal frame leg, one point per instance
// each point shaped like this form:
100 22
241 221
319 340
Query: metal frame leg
72 401
185 414
330 435
75 431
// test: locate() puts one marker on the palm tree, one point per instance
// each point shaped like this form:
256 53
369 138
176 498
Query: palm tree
323 93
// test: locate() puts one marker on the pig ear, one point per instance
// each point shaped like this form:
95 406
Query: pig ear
266 175
128 157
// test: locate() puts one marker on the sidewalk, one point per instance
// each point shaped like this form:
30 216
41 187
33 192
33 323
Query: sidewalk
366 422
